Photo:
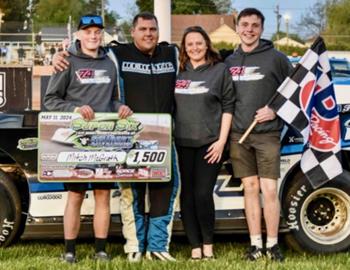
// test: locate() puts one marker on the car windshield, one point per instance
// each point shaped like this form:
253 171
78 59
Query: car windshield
340 68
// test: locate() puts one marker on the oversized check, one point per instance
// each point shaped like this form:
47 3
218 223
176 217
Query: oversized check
106 149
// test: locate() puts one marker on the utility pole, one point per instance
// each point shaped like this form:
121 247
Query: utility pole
162 9
278 18
287 18
103 11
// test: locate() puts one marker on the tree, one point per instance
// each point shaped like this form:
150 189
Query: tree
338 19
338 23
313 22
223 6
94 7
15 14
329 18
57 11
145 5
184 6
193 7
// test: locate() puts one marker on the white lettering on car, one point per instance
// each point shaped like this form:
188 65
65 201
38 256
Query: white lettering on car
292 221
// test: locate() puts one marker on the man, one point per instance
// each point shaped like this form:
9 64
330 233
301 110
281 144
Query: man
257 70
147 74
70 91
21 54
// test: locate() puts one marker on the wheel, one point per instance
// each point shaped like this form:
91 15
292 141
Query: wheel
319 220
10 210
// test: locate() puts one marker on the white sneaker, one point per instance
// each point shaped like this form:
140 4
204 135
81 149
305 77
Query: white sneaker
163 256
134 256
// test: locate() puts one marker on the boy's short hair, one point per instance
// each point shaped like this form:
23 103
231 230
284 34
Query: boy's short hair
249 12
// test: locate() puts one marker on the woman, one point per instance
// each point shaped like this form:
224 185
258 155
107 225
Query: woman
204 105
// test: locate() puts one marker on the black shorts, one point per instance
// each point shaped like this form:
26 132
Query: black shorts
88 186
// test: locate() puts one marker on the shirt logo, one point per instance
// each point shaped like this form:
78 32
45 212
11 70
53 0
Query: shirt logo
243 73
155 68
188 87
92 76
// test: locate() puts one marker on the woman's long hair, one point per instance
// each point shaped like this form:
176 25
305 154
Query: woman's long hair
211 56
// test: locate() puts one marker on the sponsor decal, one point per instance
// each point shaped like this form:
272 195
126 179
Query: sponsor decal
182 84
48 156
347 130
123 172
344 108
292 221
186 87
6 228
319 106
243 73
147 144
103 134
154 68
84 173
92 76
117 125
143 173
158 172
50 197
285 161
103 173
293 139
28 144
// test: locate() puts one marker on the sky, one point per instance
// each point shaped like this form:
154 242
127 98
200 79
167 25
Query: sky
294 8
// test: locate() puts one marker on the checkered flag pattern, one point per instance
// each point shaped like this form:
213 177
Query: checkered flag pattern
306 101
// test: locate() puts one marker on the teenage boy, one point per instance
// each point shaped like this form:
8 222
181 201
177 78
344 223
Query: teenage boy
87 86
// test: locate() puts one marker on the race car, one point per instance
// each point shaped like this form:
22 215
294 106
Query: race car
314 220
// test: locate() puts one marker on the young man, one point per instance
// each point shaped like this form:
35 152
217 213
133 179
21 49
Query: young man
88 85
257 70
147 74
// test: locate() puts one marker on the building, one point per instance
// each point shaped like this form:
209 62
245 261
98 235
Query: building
220 27
286 41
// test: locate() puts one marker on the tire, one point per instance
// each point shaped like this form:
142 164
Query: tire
10 210
319 220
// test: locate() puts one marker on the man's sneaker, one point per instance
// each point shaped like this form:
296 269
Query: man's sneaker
163 256
134 256
68 257
102 256
253 253
274 253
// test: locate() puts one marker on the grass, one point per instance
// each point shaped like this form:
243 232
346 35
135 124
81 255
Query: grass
33 255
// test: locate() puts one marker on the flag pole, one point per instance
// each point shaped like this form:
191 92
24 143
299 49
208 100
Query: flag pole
255 122
247 132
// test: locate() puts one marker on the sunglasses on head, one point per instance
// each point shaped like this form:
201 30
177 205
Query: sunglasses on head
91 20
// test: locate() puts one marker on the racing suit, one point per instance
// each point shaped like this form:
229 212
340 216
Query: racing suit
146 85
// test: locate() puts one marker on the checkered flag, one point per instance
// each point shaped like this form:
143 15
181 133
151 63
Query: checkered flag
306 101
